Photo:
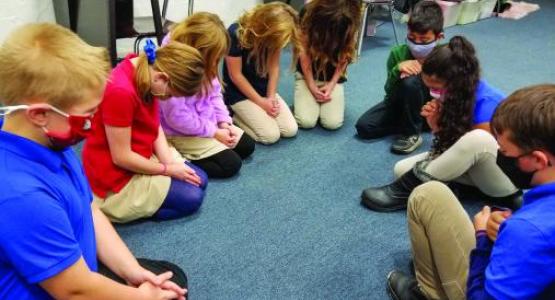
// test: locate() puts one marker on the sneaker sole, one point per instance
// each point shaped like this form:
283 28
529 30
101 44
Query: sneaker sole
379 208
407 151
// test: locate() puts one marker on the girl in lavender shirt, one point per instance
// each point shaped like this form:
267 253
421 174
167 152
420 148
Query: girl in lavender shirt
199 126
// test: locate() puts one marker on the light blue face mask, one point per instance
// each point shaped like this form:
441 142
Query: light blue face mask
420 51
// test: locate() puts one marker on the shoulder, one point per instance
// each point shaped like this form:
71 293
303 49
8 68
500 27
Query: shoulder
25 176
400 51
216 87
125 95
537 217
487 93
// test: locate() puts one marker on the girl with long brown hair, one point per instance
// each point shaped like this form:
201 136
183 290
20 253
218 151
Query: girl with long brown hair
251 71
463 150
199 126
329 32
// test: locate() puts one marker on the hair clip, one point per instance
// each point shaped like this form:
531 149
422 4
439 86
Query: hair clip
150 51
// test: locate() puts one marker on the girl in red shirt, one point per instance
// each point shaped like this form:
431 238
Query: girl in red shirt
132 170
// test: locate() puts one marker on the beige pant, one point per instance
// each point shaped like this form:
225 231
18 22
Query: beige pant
260 126
140 198
196 148
308 111
442 237
471 161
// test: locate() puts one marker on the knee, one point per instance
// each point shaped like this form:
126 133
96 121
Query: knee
425 196
245 147
232 167
306 122
477 141
269 135
410 83
362 127
332 123
289 130
366 129
195 197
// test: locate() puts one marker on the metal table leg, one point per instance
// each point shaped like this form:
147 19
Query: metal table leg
362 30
191 5
157 20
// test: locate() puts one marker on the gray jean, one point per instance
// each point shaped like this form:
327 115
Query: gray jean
471 161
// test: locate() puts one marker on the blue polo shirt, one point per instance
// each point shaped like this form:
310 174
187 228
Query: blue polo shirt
521 263
487 100
45 216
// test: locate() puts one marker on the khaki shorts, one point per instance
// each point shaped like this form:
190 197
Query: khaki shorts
140 198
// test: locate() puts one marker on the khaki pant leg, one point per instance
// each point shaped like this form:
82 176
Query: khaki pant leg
332 113
286 122
256 122
307 110
442 237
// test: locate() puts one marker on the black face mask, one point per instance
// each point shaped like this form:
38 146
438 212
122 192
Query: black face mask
509 166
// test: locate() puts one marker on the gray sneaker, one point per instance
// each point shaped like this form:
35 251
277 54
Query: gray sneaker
406 144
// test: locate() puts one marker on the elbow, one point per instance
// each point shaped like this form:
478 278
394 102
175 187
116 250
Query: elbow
235 76
120 161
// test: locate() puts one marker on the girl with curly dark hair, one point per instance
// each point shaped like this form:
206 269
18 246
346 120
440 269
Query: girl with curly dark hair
463 148
329 32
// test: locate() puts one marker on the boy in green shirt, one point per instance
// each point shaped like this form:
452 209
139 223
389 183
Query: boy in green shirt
405 93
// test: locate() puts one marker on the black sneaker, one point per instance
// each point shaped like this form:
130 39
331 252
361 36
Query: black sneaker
406 144
403 287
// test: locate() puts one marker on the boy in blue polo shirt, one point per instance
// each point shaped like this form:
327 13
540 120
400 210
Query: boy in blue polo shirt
505 255
50 237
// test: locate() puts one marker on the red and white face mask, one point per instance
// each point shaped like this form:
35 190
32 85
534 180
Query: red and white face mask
80 127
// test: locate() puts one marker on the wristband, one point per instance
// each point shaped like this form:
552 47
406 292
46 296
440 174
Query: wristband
481 233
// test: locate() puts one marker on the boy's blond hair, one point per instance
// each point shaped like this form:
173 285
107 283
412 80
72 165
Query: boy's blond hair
49 63
205 32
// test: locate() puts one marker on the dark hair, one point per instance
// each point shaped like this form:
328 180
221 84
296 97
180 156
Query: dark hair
331 27
426 15
455 64
529 116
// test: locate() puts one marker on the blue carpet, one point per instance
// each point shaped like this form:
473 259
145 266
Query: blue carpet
290 225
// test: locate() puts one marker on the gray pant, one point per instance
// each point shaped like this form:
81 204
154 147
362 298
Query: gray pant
470 161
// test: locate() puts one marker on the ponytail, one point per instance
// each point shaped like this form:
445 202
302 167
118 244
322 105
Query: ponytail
455 64
182 63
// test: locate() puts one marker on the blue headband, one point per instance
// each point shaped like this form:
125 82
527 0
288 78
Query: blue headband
150 51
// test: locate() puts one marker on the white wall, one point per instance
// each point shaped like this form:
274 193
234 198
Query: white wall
14 13
228 10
